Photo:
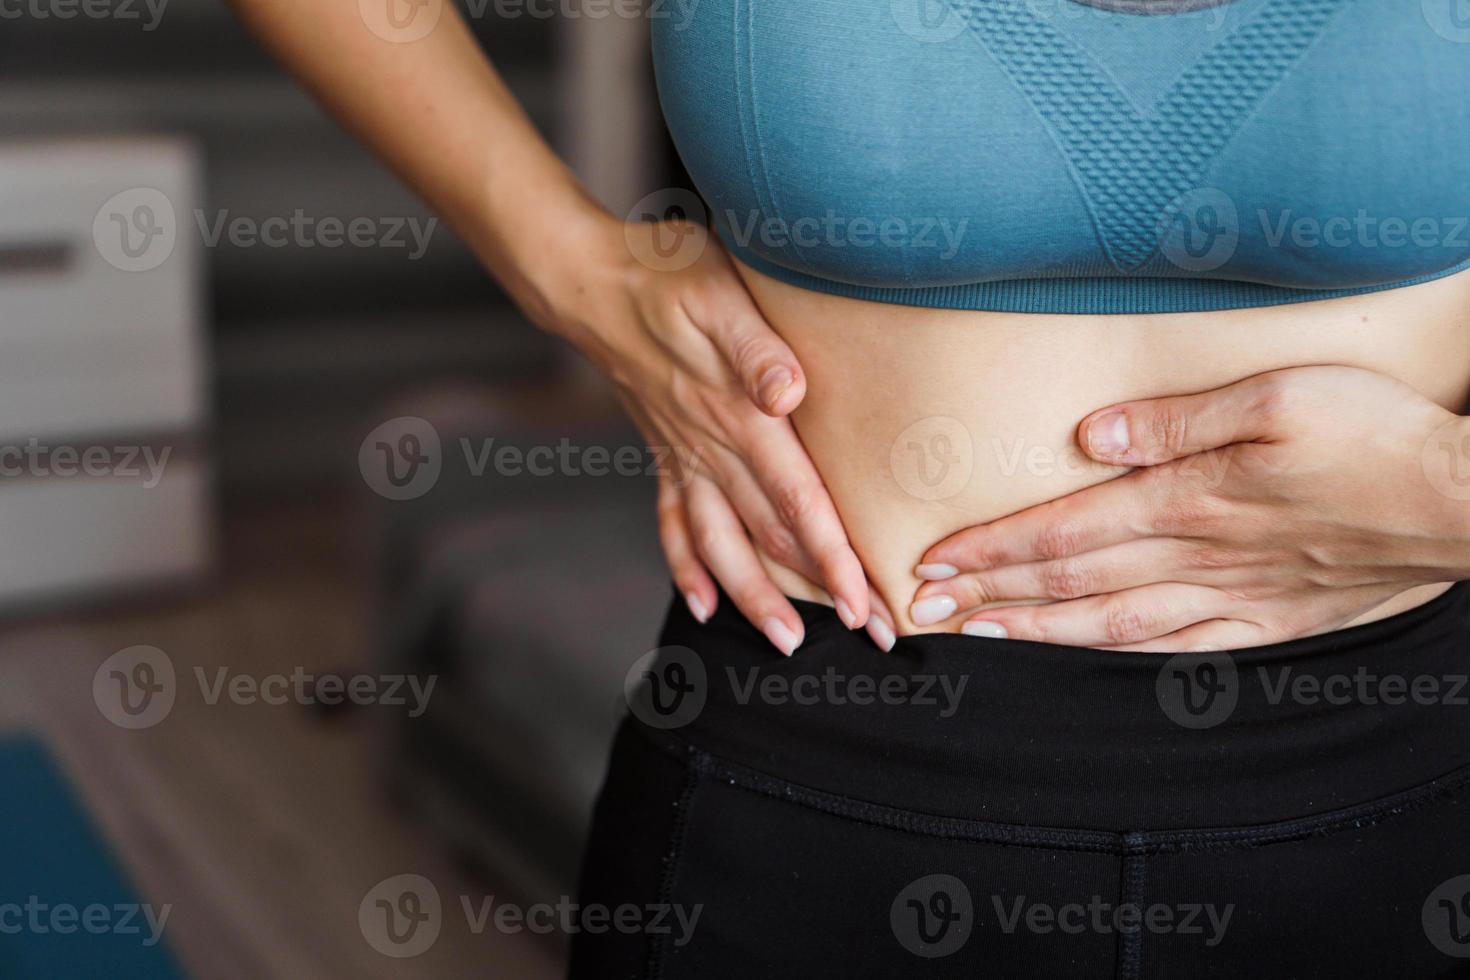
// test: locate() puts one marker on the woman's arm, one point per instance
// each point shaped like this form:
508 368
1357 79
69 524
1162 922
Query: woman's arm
693 359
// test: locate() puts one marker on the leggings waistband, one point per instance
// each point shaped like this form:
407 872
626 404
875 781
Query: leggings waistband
1018 732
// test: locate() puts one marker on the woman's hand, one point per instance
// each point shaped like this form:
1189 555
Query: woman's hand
1286 504
666 317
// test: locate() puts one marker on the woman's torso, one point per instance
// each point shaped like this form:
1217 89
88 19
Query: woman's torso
923 422
976 221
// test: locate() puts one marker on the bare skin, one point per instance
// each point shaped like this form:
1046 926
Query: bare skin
1018 385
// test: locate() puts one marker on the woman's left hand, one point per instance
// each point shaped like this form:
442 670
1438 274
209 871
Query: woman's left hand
1286 504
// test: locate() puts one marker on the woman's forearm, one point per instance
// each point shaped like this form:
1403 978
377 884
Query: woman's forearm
438 113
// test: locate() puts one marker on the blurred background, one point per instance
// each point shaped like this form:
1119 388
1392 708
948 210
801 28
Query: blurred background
320 569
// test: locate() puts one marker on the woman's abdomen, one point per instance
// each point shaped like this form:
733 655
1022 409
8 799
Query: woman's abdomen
924 421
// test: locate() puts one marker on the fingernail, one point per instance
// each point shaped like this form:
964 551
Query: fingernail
936 572
1108 435
882 634
773 384
983 627
696 608
848 617
1205 648
780 634
935 609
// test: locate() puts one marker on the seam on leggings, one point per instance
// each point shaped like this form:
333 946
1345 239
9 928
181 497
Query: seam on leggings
1130 942
673 860
1056 838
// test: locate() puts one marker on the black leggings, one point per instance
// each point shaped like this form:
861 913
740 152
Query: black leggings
973 807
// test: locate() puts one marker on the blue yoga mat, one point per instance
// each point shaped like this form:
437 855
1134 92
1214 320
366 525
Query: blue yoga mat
67 910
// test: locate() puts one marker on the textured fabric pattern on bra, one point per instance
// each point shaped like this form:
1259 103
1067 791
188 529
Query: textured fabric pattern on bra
1131 165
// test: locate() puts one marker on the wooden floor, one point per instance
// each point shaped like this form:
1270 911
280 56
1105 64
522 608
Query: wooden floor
263 826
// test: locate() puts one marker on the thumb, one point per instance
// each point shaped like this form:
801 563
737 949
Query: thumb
1146 433
766 366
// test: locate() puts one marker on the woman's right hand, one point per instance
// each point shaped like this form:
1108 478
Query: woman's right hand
706 377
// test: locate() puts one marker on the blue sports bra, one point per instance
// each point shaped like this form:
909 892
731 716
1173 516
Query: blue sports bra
1078 156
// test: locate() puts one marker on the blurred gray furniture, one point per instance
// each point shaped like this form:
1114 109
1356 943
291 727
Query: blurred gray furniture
104 475
529 597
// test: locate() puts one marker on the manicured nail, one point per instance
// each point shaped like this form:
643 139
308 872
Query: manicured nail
844 611
881 633
1108 435
1205 648
936 572
780 634
696 608
935 609
983 627
773 385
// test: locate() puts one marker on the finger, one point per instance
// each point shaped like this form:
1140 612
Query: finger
1211 636
784 471
1133 616
764 363
1107 514
880 622
720 541
690 576
1113 569
1146 433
